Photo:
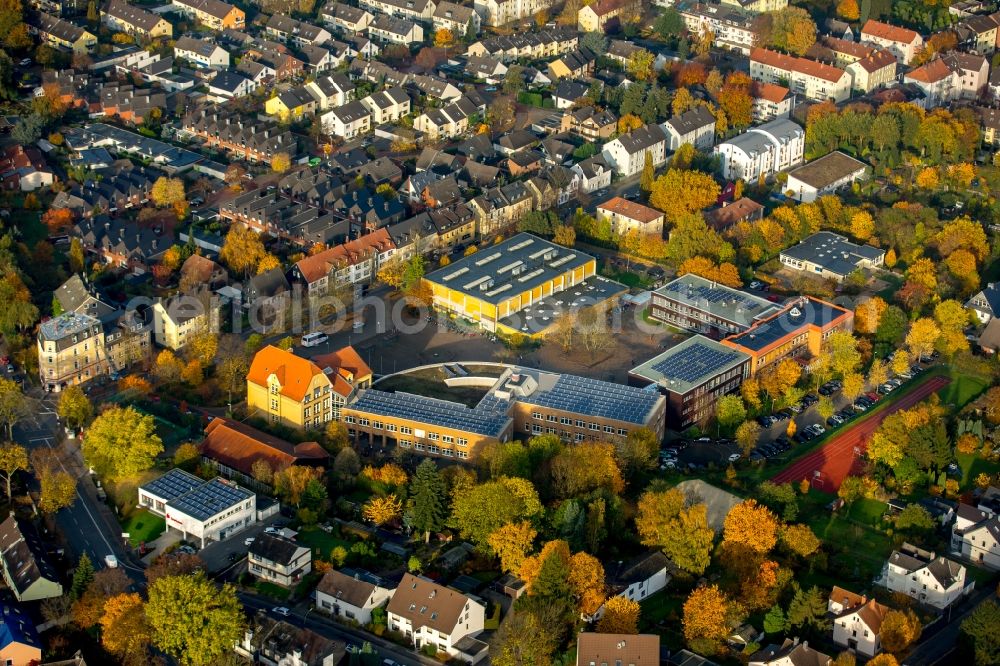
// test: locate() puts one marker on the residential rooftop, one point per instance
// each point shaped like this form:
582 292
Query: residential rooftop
829 169
833 252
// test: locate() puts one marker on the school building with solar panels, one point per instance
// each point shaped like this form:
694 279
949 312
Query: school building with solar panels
521 401
201 510
692 376
521 285
702 306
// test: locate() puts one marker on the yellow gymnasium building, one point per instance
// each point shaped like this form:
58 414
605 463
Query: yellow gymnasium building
520 285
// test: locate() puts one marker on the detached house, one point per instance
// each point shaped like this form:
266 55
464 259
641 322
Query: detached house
857 621
762 151
352 595
201 52
625 216
624 649
902 42
430 614
695 126
917 573
132 20
27 573
976 535
61 34
275 559
214 14
459 19
388 105
595 173
348 121
346 19
177 319
19 641
986 303
446 122
627 153
589 123
790 653
606 15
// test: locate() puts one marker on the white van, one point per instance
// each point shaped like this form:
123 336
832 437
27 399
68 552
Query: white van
314 338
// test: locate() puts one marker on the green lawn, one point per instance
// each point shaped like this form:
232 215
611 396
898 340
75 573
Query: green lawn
271 590
627 278
661 614
867 511
143 526
321 542
859 551
972 466
962 389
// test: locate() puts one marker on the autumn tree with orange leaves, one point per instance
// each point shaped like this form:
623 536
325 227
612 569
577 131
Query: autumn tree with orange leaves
735 99
707 614
124 630
752 525
512 543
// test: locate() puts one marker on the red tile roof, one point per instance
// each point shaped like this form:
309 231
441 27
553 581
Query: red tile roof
934 71
880 59
892 33
346 369
294 373
319 265
795 64
631 210
238 446
771 92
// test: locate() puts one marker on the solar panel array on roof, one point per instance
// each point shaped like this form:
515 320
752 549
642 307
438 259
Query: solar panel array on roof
711 294
432 411
173 484
581 395
210 499
697 361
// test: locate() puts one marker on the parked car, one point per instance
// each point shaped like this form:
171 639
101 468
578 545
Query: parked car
271 530
809 400
834 421
111 561
703 440
783 415
249 541
281 610
756 284
734 457
767 421
797 407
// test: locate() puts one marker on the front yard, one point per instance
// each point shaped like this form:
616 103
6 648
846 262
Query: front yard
143 527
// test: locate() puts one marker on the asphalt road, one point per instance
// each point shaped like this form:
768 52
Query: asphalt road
89 526
938 644
303 616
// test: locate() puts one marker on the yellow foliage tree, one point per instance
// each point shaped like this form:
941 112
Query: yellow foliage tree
899 630
381 510
512 543
682 191
444 38
848 10
390 474
752 525
928 178
124 630
800 540
586 577
621 616
705 614
867 315
922 336
281 162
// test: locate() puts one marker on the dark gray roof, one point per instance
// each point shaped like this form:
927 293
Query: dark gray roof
691 120
23 556
642 139
826 170
275 548
571 90
795 316
210 499
689 364
833 252
172 485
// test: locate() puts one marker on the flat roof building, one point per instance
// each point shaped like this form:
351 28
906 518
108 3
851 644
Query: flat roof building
702 306
692 376
802 326
204 510
824 176
504 279
832 256
527 400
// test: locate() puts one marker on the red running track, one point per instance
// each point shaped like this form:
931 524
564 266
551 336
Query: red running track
836 458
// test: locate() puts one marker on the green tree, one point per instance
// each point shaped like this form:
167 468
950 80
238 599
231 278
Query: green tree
775 621
192 619
730 412
13 459
648 173
82 577
528 637
891 325
914 518
807 609
428 509
121 442
483 509
13 405
74 407
979 638
669 24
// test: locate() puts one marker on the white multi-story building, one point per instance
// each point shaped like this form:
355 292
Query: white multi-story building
814 80
917 573
731 27
857 621
201 52
348 121
952 76
976 532
695 126
770 101
496 13
388 105
430 614
762 151
872 71
204 511
903 42
351 594
416 10
627 154
274 559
